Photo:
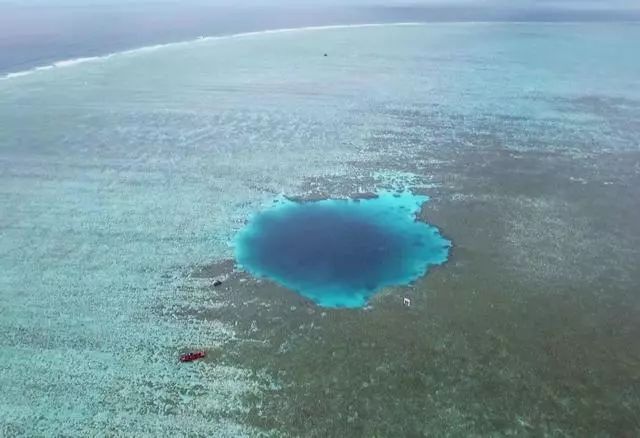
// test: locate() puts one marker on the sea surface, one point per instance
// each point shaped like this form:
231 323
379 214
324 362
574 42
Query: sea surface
125 178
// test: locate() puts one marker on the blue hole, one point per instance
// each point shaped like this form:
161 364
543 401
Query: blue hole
338 253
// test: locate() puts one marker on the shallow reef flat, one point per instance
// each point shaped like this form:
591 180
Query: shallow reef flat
124 180
527 330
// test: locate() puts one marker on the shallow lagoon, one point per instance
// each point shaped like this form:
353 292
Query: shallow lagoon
338 253
121 177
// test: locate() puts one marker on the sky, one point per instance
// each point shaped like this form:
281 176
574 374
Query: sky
559 4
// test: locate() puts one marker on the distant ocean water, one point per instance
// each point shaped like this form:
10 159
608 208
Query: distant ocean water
120 176
41 35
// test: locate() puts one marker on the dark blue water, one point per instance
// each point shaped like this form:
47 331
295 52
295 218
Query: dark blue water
338 253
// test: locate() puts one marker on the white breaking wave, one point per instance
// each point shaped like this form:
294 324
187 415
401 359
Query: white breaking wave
70 62
77 61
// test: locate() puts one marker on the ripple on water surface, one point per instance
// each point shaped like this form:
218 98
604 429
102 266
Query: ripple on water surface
338 253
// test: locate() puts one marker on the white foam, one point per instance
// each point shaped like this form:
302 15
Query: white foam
77 61
70 62
17 74
27 72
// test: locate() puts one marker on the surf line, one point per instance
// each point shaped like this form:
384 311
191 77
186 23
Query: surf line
139 50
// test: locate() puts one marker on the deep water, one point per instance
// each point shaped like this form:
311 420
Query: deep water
338 253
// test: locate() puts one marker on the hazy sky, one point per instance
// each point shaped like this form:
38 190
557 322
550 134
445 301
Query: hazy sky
572 4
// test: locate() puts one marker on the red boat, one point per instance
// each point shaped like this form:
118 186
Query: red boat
194 355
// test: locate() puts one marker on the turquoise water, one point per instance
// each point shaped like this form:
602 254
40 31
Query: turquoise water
120 175
338 253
